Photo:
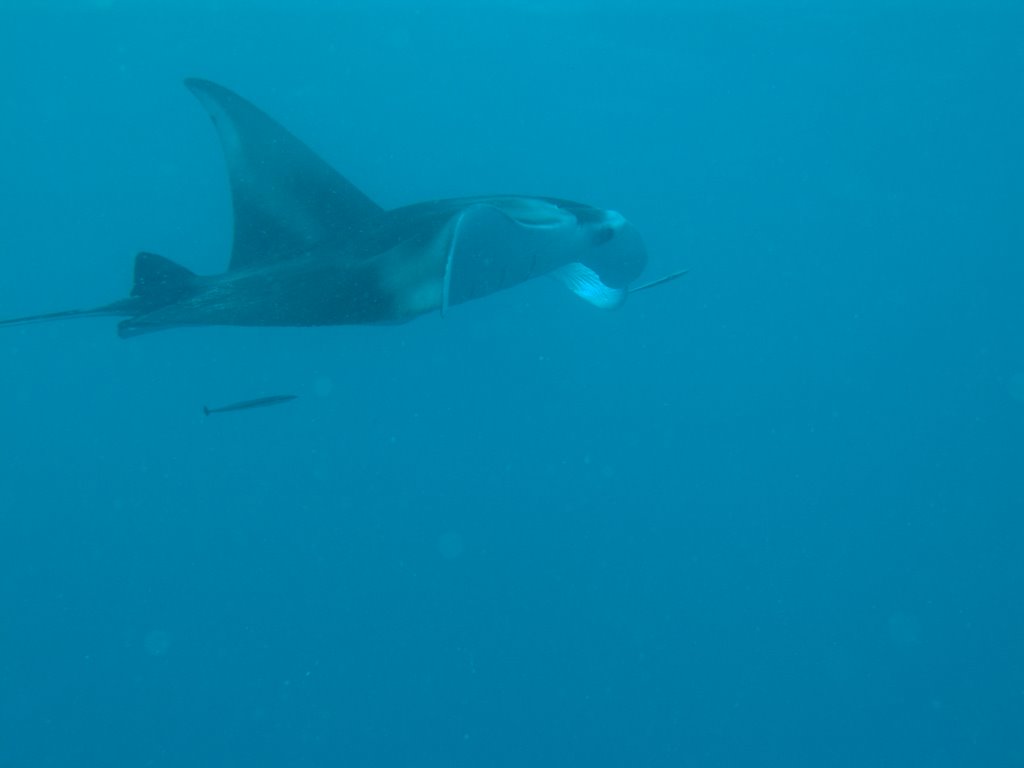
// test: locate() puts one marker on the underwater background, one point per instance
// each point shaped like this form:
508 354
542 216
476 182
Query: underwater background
771 514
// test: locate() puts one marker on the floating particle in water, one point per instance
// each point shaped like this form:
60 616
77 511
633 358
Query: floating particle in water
323 386
904 630
1015 386
157 642
450 545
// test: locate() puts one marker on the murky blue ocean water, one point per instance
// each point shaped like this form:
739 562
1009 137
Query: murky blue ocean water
771 514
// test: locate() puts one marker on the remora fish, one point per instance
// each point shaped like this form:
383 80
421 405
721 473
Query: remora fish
259 402
311 249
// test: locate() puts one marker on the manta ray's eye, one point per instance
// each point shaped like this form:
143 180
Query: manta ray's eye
603 234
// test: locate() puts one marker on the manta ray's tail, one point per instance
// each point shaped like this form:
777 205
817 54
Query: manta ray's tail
55 316
158 282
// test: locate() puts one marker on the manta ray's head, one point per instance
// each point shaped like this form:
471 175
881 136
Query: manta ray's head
618 254
499 241
602 240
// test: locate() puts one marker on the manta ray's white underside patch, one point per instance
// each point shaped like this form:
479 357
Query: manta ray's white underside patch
585 283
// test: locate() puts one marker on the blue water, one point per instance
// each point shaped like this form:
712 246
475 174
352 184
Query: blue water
768 515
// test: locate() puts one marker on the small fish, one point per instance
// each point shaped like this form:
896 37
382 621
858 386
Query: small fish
259 402
660 281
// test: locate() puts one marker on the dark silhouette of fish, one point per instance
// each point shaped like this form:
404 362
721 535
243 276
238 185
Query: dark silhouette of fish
259 402
311 249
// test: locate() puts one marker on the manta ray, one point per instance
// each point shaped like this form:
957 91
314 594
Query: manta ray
310 249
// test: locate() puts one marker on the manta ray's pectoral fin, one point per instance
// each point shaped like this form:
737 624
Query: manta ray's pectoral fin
286 199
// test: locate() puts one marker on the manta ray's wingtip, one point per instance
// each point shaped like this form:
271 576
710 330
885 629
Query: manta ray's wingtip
211 95
202 88
192 83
